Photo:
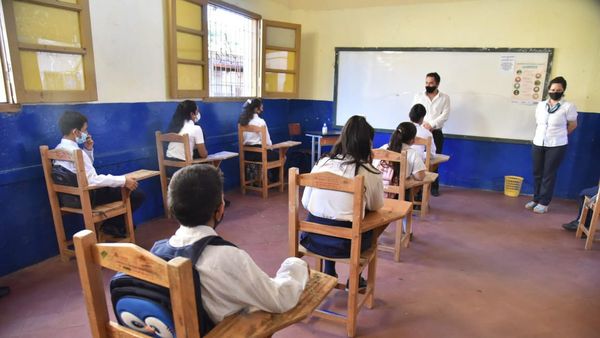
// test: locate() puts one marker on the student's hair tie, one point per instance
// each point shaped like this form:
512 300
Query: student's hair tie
249 101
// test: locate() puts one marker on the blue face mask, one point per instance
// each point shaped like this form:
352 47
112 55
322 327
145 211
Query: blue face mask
81 139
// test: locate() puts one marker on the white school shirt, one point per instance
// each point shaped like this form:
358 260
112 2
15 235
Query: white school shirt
414 162
93 178
438 109
551 129
252 138
232 282
176 149
339 205
423 133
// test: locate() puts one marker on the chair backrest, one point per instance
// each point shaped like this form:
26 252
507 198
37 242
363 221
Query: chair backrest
326 181
176 275
294 129
391 157
427 143
81 190
252 129
176 138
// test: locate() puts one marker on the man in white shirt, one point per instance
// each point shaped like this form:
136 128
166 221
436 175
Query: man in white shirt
74 127
437 105
417 114
230 280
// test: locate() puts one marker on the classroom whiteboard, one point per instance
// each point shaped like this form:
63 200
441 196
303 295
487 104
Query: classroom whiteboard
493 92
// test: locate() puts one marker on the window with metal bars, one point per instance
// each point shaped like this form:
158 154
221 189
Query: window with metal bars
232 53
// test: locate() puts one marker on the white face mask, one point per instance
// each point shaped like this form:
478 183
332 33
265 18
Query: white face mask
197 118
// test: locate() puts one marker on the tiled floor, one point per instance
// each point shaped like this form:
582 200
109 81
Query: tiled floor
480 266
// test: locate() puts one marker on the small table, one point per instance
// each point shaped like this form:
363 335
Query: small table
318 139
216 158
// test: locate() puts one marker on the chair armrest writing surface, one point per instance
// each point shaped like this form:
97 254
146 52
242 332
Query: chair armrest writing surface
429 178
220 156
264 324
142 174
439 158
392 210
286 144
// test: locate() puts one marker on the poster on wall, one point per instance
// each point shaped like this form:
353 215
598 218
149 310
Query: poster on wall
528 83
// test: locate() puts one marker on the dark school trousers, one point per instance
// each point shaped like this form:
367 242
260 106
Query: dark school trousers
589 192
438 140
546 161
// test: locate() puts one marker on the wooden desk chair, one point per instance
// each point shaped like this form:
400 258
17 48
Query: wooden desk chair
164 163
175 275
375 220
591 232
91 215
402 236
415 186
265 165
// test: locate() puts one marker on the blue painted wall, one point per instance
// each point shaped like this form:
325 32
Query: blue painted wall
124 136
124 141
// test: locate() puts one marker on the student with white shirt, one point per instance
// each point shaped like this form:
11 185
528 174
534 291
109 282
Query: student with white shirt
555 119
349 157
230 281
417 114
402 139
184 122
437 105
74 127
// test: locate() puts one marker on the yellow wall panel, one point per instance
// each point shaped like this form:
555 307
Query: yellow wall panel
189 46
189 77
279 82
46 25
282 60
188 15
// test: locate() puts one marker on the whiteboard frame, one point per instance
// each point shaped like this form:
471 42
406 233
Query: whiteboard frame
549 51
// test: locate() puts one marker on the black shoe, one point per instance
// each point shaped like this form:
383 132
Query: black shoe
4 290
114 230
417 207
435 192
571 226
362 284
227 203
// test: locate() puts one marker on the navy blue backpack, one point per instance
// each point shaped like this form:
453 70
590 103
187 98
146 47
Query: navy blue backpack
146 307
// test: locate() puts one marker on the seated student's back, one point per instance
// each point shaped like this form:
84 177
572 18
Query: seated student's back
184 122
230 280
401 140
417 115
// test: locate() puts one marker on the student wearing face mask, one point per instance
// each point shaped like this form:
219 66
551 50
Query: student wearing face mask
230 281
437 105
184 122
74 127
555 118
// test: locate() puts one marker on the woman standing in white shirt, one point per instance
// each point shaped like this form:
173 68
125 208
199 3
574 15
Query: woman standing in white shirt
555 119
184 122
350 156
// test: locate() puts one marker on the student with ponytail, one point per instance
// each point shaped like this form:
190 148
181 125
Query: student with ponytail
350 156
184 122
251 115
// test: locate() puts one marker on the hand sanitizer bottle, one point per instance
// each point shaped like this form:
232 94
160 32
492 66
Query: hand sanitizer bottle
324 129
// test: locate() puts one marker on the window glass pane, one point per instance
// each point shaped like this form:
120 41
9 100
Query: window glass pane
281 37
46 25
279 82
232 47
52 71
3 97
189 46
69 1
189 77
275 59
188 15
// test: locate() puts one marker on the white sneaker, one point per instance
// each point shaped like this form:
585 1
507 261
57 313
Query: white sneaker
530 205
540 209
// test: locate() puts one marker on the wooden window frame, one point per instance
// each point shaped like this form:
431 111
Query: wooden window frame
174 61
86 51
296 49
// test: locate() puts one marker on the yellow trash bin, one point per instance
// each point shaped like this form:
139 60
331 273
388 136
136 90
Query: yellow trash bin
512 185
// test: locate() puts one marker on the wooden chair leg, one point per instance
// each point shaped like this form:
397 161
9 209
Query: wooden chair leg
319 264
582 220
354 276
265 181
281 177
243 177
591 232
370 301
61 238
398 241
164 187
425 199
128 215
